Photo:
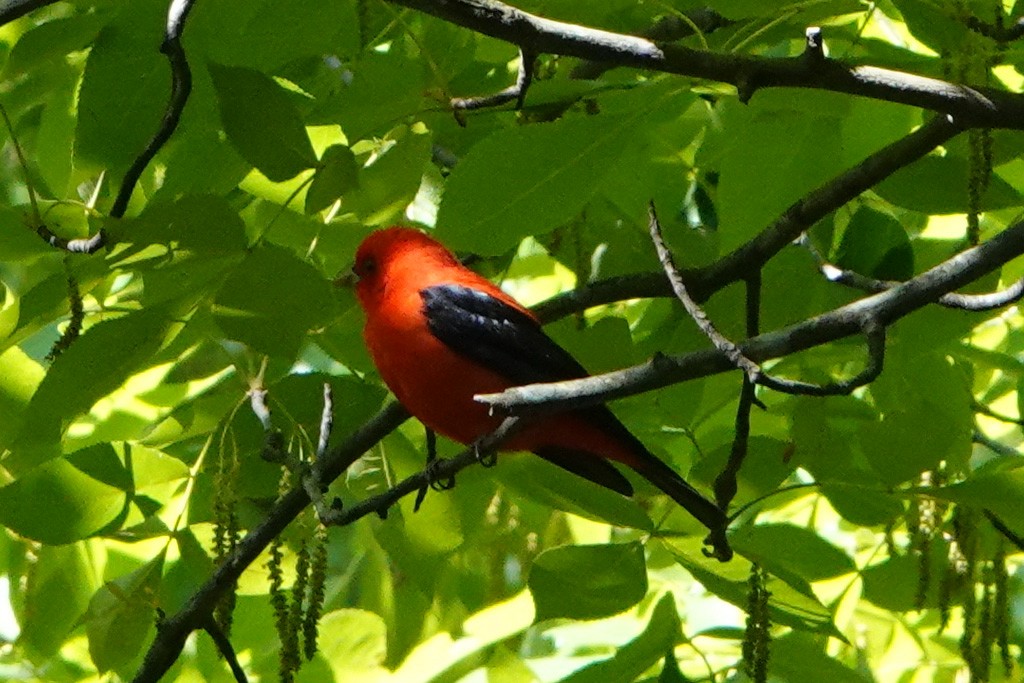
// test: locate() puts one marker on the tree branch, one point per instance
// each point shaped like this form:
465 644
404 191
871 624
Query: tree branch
181 87
227 651
15 9
818 203
964 302
751 370
442 468
971 106
172 632
701 283
516 91
881 309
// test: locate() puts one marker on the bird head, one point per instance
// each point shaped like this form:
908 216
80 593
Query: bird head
385 254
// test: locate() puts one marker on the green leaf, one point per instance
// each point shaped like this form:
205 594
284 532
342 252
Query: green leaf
119 620
862 504
337 174
114 121
63 580
267 35
670 671
929 23
59 503
389 184
106 355
353 641
18 242
204 224
788 605
201 162
553 486
271 300
588 582
926 419
191 569
876 244
532 179
52 40
800 658
807 555
938 185
893 584
55 143
1001 492
262 123
19 378
640 654
384 91
780 147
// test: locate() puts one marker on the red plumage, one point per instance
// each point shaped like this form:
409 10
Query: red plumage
440 334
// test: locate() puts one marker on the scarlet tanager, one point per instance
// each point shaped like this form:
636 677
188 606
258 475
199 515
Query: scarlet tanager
440 333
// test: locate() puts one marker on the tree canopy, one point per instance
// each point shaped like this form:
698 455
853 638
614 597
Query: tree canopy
784 238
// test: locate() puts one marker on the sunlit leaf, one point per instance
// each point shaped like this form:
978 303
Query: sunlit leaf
639 654
532 179
794 606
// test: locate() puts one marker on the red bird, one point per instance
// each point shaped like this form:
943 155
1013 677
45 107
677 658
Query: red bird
440 334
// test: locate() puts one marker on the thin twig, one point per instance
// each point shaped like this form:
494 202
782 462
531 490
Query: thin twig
181 86
874 332
964 302
227 651
326 421
999 448
726 483
37 216
516 92
979 407
1006 531
443 468
725 346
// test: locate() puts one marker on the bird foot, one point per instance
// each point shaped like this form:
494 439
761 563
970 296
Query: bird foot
485 459
433 482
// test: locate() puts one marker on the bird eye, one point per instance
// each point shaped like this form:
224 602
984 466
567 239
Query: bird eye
368 266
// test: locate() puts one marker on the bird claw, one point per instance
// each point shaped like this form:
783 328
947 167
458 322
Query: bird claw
430 470
421 495
485 459
443 484
433 482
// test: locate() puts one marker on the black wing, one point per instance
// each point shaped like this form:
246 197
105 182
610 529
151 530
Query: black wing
494 334
484 329
488 331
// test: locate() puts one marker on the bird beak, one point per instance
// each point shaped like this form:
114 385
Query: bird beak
346 278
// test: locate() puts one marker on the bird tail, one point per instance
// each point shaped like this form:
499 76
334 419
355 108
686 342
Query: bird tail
707 513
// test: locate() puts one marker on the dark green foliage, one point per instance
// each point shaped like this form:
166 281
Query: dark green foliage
877 534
